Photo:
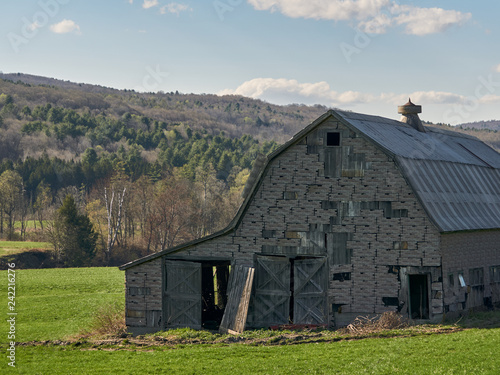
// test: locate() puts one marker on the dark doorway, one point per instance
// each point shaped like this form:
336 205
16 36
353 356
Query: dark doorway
214 282
419 297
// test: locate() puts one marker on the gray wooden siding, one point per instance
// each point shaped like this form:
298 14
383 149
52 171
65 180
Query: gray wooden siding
144 295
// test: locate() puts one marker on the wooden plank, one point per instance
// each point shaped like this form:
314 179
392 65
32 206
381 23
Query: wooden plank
240 289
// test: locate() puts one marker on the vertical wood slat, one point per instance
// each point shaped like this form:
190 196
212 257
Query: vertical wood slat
240 289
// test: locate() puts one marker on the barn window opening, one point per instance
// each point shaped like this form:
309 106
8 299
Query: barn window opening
476 277
419 296
341 276
333 139
451 280
495 274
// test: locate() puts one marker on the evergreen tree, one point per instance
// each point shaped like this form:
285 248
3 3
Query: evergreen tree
74 237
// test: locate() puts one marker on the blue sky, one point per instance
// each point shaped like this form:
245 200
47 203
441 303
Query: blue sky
362 55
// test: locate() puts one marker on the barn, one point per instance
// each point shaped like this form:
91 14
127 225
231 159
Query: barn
354 215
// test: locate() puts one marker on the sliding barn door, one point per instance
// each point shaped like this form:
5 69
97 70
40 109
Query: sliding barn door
310 291
183 294
272 291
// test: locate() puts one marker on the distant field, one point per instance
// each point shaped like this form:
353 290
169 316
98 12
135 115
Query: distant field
53 304
30 224
12 247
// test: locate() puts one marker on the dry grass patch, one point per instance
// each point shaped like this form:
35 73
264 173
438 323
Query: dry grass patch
108 321
364 325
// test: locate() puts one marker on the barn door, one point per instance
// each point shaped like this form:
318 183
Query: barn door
183 294
272 291
310 291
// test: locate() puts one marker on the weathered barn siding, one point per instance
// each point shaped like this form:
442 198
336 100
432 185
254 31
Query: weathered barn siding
349 203
144 288
472 255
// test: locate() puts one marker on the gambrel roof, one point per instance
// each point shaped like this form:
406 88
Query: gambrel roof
456 177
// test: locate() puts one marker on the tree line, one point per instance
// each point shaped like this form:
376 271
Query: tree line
118 219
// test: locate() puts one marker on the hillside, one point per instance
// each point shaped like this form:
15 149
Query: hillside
234 115
211 114
481 125
183 159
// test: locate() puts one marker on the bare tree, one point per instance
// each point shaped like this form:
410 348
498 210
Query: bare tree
169 215
114 221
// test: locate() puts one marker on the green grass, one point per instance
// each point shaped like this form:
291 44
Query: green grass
467 352
55 303
13 247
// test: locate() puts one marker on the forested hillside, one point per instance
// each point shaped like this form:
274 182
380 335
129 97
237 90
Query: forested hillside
149 170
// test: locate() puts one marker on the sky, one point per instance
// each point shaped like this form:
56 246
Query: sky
366 56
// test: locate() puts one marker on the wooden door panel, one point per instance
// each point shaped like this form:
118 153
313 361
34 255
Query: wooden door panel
272 291
183 294
310 291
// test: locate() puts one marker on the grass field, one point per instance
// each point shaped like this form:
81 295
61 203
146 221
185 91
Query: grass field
13 247
467 352
53 304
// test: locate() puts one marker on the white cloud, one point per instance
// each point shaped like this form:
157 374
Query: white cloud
337 10
373 16
436 97
497 68
423 21
490 99
175 8
64 27
149 4
286 91
290 90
